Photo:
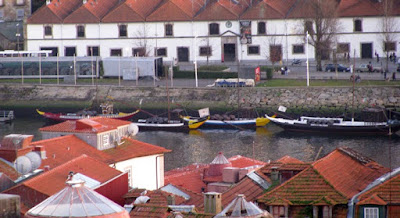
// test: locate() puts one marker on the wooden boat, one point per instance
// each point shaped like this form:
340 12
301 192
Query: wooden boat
163 124
336 125
235 123
77 116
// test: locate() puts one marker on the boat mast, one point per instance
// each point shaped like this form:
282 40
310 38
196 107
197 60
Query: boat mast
354 79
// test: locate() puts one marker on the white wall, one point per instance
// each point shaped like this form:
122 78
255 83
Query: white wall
146 172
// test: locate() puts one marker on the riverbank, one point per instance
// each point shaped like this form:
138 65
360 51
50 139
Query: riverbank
126 97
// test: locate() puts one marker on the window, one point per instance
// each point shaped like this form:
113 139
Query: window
308 27
357 25
141 52
48 31
213 28
343 48
54 50
106 140
168 30
389 46
298 49
80 31
70 51
20 14
253 50
93 51
161 52
261 28
129 171
205 51
19 2
371 212
116 52
122 31
278 211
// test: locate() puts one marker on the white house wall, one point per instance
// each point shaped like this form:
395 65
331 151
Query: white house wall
282 32
146 172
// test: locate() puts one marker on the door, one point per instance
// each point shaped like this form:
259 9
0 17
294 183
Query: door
183 54
230 52
366 50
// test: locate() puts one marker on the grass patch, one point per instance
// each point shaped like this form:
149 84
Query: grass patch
317 83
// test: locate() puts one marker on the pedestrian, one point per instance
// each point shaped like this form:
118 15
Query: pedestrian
384 74
348 56
369 66
377 57
391 57
394 57
394 76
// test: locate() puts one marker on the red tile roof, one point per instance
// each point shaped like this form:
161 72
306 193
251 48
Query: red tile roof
193 177
386 193
55 12
91 125
91 12
65 148
131 148
53 181
8 170
288 159
306 188
216 10
131 11
348 171
169 11
357 8
264 10
145 210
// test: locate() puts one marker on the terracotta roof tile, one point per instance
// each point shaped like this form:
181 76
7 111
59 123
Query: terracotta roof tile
196 199
306 188
388 192
53 181
91 12
131 148
169 11
246 186
190 7
266 10
241 162
131 11
134 193
348 171
8 170
288 159
218 10
55 12
91 125
65 148
145 210
354 8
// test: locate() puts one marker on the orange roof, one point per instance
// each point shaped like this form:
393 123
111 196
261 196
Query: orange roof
145 210
91 12
131 11
53 181
219 10
348 171
62 149
267 10
288 159
90 125
382 194
355 8
169 11
55 12
306 188
131 148
192 177
8 170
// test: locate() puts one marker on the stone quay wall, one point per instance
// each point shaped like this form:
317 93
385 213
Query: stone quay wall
313 98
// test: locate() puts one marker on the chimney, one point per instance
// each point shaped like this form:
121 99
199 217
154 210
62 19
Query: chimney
230 174
212 202
171 199
46 168
48 2
41 151
274 174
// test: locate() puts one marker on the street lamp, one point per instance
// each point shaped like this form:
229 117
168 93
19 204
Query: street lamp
308 65
195 60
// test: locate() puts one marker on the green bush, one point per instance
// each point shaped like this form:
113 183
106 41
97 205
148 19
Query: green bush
269 70
212 68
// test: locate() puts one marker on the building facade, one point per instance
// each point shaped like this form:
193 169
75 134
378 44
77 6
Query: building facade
209 30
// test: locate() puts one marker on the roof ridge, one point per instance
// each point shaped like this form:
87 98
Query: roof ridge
53 139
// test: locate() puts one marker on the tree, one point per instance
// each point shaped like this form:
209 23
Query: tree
142 43
388 28
322 26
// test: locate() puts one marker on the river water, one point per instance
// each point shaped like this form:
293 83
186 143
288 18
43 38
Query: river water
266 143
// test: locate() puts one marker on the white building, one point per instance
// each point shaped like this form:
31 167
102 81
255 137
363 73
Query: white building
207 30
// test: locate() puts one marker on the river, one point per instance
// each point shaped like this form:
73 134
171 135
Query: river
266 143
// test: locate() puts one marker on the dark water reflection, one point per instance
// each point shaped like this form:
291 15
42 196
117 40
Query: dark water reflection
269 143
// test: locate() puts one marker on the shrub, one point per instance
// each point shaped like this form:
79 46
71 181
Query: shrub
211 68
204 74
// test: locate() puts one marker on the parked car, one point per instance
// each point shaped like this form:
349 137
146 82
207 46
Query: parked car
340 68
364 68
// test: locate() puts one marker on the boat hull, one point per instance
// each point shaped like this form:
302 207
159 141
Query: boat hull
65 117
368 129
176 127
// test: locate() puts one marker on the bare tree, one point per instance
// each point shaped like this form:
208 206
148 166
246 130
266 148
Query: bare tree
274 52
323 16
208 48
142 42
389 28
